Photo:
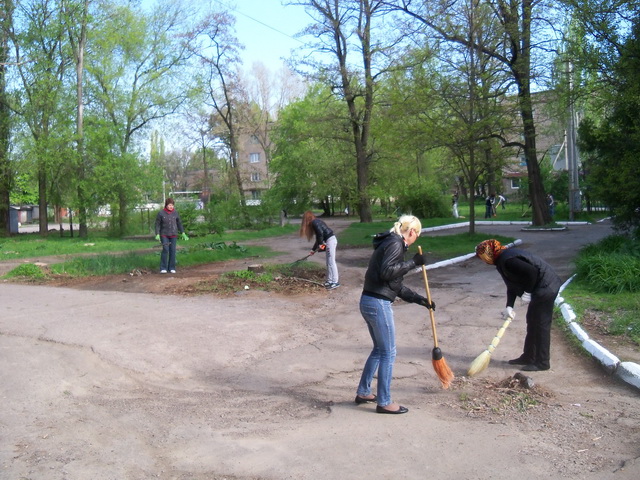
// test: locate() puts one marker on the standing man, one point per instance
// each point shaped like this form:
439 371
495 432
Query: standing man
168 226
489 203
552 205
531 278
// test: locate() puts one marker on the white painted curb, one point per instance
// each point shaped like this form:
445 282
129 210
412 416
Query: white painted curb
630 373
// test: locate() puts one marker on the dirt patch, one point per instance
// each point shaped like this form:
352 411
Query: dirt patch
597 325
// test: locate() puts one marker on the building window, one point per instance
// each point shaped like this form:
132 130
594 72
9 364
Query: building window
254 157
255 177
255 194
254 140
523 160
515 183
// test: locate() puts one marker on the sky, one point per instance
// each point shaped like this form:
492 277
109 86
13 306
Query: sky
267 29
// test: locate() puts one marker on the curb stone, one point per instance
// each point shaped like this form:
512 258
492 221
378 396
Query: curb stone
628 372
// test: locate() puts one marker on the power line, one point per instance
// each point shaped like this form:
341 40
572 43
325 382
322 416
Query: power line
258 21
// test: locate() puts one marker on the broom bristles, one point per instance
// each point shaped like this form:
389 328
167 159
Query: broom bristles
480 363
443 372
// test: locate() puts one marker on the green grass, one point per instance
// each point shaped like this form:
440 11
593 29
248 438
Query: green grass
440 246
620 311
109 264
32 245
27 271
607 283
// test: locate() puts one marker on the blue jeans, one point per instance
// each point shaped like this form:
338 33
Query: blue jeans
168 255
379 317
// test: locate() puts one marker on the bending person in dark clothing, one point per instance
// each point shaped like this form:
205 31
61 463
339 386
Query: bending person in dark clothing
531 278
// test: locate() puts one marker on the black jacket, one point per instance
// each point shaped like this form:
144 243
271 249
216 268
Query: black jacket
168 224
524 272
387 268
322 233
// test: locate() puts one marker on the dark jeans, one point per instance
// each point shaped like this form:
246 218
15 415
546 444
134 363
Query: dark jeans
168 255
537 342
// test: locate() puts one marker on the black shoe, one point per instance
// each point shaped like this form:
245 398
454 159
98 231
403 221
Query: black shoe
401 409
535 368
360 400
520 361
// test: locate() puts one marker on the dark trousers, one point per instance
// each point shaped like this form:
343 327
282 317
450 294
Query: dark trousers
537 342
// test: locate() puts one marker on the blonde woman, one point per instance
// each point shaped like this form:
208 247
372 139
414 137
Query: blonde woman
382 284
326 242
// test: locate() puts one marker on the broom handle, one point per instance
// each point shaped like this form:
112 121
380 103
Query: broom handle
496 339
426 287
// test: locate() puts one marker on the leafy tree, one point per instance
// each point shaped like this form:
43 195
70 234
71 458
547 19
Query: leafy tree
612 143
519 39
40 48
76 19
135 66
312 161
345 30
6 25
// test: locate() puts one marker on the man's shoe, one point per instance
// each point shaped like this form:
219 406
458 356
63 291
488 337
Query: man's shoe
520 361
173 271
163 271
401 409
534 368
331 286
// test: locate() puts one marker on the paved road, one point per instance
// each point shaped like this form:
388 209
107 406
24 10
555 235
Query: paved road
111 385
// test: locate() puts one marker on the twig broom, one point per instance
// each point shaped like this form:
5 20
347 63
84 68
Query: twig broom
482 361
440 366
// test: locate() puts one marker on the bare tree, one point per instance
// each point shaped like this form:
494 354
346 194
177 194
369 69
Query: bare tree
213 42
266 94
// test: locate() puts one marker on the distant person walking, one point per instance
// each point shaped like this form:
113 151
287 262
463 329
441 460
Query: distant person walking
454 204
168 226
326 242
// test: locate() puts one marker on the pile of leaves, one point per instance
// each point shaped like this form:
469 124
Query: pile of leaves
509 396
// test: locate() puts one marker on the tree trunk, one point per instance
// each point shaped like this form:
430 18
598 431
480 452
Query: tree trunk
5 119
540 212
79 58
43 221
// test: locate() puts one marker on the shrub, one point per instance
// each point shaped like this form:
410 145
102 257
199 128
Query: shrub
424 201
611 265
27 270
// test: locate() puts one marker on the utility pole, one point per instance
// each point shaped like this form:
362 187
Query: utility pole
575 203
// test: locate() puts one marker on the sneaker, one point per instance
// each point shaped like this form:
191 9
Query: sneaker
173 271
163 271
331 286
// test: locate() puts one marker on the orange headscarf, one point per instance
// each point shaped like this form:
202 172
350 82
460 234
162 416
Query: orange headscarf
489 250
